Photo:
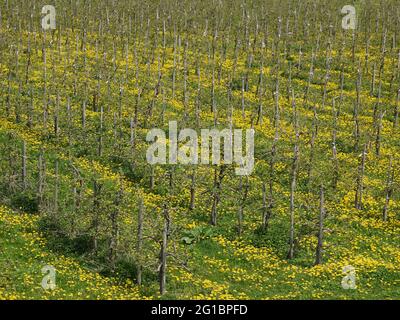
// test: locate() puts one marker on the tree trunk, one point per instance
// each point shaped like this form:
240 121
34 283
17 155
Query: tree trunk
24 182
114 228
360 177
152 177
334 150
41 177
192 190
318 251
396 111
292 194
389 189
139 243
56 187
216 193
100 133
243 193
378 133
96 212
293 182
163 252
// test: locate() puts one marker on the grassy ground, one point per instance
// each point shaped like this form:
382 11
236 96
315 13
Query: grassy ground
24 253
220 269
77 96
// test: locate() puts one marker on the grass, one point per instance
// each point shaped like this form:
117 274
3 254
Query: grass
24 252
219 269
204 262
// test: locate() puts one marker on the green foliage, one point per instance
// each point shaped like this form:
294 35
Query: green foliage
25 201
197 234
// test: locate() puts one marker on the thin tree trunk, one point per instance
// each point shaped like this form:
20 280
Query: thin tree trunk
24 182
310 79
41 178
192 190
378 133
318 251
100 133
83 119
389 189
216 194
132 143
243 193
360 177
114 228
314 133
163 252
356 110
56 117
152 184
139 243
268 212
214 200
396 110
264 207
334 150
56 190
293 184
96 212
